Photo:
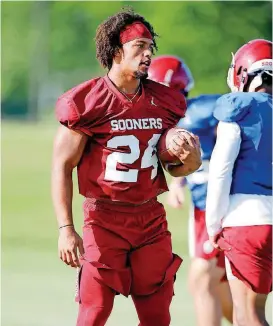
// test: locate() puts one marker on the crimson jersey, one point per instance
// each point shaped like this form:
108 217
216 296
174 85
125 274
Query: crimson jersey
119 162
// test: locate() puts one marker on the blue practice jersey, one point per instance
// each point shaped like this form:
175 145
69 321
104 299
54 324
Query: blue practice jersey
199 120
252 172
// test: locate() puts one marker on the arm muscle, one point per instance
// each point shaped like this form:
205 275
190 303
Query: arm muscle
67 151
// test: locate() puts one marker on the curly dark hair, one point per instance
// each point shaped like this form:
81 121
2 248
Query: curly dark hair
107 35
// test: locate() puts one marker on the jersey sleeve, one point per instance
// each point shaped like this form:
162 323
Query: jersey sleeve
233 107
181 106
70 116
80 107
178 104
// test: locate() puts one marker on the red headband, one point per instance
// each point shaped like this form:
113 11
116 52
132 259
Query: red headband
133 31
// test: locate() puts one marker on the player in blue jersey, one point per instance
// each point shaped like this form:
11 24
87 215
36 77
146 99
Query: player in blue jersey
207 280
239 200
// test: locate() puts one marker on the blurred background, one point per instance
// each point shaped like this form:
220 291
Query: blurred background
47 48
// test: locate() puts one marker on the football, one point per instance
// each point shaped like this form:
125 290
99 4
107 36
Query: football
163 152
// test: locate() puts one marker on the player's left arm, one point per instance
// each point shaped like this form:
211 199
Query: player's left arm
185 146
224 155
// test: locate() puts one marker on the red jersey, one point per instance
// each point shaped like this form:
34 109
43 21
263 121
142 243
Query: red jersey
119 162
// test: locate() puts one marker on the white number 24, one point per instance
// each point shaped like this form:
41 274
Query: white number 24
149 158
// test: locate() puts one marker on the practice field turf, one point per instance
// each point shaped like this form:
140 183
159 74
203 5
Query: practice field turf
37 289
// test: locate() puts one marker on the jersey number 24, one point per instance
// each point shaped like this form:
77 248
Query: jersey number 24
149 158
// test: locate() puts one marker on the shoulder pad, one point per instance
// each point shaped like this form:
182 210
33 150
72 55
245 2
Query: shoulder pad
75 107
233 107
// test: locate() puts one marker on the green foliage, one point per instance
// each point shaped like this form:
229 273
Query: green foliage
15 48
53 41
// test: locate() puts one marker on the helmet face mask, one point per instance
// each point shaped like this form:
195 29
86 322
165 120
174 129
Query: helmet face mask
172 72
252 59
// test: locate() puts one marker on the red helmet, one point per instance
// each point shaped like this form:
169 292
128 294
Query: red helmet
171 71
252 59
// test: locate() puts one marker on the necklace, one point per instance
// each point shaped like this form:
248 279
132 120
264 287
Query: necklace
127 97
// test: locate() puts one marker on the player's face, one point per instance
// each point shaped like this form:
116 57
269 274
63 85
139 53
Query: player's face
136 57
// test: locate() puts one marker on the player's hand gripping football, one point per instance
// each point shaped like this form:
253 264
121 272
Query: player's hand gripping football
70 247
186 147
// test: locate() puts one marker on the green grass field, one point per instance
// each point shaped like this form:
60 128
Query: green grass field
37 289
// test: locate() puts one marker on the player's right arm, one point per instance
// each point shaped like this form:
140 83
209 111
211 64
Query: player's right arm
67 151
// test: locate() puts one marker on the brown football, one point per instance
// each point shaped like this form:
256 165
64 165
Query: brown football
163 152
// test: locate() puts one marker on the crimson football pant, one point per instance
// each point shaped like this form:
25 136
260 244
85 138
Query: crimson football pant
248 250
127 250
151 309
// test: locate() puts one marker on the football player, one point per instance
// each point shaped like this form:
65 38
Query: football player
239 200
207 280
109 130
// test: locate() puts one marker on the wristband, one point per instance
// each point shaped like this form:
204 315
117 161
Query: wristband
64 226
